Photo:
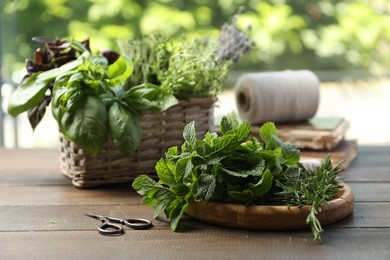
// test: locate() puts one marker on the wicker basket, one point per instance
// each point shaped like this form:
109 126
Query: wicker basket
159 132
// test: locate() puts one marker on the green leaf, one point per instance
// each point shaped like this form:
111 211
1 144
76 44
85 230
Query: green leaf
49 75
290 152
175 210
86 125
120 70
125 129
225 142
189 133
27 95
268 130
229 122
273 159
256 171
263 186
143 184
242 131
205 186
172 151
184 167
244 196
36 113
165 171
149 97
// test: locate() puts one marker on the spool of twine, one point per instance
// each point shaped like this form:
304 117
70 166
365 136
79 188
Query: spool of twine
286 96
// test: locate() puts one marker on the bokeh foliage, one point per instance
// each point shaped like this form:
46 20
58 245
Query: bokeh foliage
290 34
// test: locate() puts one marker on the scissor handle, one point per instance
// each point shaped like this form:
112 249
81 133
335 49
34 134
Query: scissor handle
110 229
138 223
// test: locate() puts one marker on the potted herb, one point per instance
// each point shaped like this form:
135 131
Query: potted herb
225 179
102 101
87 95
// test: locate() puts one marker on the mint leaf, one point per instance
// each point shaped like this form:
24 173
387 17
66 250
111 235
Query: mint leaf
256 171
189 134
242 131
205 187
144 184
154 194
229 122
244 196
263 186
290 152
184 167
175 211
165 171
268 130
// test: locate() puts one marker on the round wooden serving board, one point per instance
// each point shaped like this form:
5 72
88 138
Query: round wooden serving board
271 217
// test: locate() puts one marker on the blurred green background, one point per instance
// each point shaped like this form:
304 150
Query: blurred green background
350 36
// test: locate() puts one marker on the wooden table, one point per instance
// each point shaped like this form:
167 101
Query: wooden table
42 217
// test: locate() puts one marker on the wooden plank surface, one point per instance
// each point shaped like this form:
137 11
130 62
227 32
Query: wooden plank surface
43 218
339 243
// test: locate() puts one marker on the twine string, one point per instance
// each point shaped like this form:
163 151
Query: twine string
286 96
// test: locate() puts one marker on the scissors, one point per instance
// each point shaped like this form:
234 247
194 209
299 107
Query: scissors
113 226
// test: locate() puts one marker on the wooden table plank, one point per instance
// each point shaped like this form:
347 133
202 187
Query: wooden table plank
65 217
54 218
68 195
374 192
198 244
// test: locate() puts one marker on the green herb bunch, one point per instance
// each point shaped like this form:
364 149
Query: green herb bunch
199 68
150 55
232 168
189 69
304 187
89 101
194 74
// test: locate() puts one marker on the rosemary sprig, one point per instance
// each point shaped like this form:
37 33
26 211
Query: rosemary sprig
302 187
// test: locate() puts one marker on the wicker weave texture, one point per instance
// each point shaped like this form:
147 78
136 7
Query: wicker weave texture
159 132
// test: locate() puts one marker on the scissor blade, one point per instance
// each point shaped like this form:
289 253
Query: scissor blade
96 216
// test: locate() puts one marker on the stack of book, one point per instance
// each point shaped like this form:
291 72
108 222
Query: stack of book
319 137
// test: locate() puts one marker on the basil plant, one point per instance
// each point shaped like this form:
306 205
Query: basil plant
89 102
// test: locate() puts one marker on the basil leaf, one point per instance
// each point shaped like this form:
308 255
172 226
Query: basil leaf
120 70
125 129
36 113
149 97
28 94
86 125
53 73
